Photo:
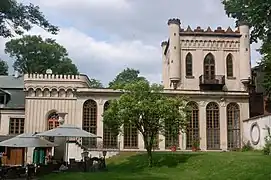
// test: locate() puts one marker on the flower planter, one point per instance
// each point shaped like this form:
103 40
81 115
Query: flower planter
194 149
173 148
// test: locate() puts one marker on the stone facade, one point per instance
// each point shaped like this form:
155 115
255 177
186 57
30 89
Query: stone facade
210 65
211 68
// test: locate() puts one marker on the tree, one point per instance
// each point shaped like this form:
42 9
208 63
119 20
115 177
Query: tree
15 18
257 14
126 76
95 83
32 54
3 67
145 107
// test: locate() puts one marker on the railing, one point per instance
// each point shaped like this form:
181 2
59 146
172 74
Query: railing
212 80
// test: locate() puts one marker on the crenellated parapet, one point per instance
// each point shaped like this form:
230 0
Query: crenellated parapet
54 85
58 80
52 77
219 31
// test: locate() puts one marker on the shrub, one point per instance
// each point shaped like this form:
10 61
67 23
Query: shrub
247 146
267 146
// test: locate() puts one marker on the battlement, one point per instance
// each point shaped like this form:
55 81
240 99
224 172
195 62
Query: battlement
174 21
164 43
53 77
56 80
209 32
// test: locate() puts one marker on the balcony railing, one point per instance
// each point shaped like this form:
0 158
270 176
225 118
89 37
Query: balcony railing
212 80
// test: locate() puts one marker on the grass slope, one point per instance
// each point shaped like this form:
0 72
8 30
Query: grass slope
181 166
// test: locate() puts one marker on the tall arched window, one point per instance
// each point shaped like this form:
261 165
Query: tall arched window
213 126
209 67
109 137
130 137
192 130
90 122
233 126
171 136
189 65
229 65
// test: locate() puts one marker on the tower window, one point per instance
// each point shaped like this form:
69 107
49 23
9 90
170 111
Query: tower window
229 65
189 65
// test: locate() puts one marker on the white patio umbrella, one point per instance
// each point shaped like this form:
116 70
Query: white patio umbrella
27 140
67 131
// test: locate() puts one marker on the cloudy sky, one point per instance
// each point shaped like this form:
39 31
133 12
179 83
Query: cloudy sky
105 36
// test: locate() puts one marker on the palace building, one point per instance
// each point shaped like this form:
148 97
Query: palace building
211 67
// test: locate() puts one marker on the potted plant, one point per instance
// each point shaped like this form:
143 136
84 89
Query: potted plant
196 144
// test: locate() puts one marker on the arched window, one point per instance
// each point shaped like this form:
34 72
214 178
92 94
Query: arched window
209 67
189 65
109 138
192 130
213 126
171 136
229 65
130 137
233 126
52 121
90 122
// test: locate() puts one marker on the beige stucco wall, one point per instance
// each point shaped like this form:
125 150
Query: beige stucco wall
5 116
38 105
257 133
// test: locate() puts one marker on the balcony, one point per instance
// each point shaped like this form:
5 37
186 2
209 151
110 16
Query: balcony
215 82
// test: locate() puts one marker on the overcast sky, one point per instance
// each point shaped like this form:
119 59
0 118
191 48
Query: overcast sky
105 36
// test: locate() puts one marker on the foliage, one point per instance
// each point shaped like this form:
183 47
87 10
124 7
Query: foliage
3 67
145 107
32 54
254 12
247 146
267 146
196 143
184 166
125 77
94 83
257 14
15 18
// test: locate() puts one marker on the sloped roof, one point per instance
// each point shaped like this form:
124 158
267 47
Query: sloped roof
14 87
17 99
11 82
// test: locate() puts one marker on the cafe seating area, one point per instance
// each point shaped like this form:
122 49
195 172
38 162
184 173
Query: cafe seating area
37 170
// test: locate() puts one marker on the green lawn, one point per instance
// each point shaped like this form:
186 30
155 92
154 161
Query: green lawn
181 166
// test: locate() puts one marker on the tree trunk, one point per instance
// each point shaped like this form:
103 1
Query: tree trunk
149 152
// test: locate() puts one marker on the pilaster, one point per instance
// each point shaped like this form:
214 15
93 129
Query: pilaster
223 125
202 125
100 104
161 142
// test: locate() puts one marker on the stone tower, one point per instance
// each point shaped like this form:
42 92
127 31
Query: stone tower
175 52
245 63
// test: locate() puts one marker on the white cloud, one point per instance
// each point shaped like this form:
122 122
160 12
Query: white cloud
86 4
105 36
104 59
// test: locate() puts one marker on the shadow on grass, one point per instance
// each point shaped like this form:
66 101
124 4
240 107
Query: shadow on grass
139 162
132 167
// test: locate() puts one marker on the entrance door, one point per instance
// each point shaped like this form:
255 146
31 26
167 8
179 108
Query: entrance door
14 156
213 126
233 122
